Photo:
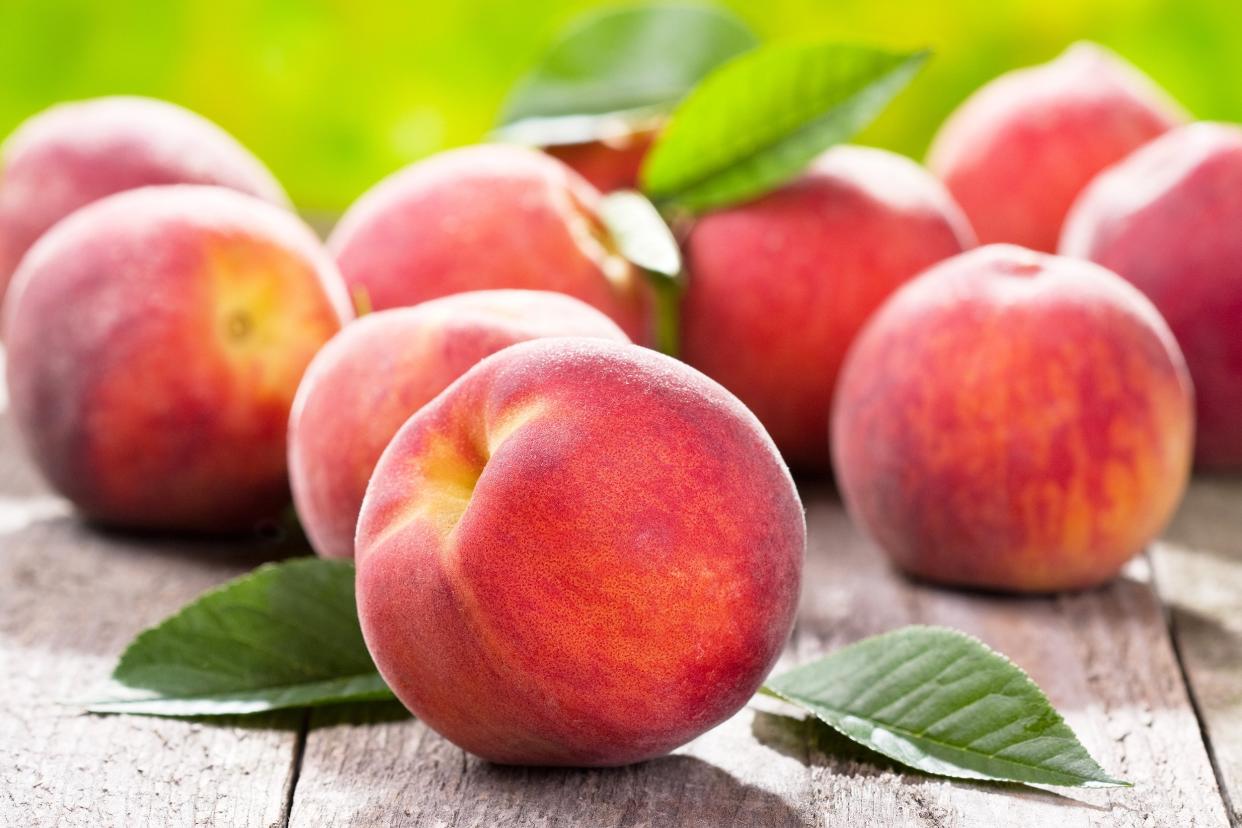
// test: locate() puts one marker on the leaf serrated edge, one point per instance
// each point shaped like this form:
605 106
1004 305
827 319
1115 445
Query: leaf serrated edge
261 571
585 22
695 202
1105 781
672 200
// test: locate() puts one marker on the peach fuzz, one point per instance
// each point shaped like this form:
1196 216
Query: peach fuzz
388 365
1015 421
486 217
155 341
1018 151
582 553
779 287
1169 219
75 153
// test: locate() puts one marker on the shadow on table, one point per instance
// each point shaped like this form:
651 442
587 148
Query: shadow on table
672 790
1207 523
359 714
269 540
71 587
1216 646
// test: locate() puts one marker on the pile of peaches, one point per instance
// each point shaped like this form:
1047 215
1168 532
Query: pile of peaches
572 549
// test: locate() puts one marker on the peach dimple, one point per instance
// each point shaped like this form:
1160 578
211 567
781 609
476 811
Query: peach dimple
156 339
389 364
621 577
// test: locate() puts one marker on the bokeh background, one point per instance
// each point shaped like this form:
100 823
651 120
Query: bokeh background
335 94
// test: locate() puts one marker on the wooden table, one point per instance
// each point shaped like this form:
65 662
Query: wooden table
1148 671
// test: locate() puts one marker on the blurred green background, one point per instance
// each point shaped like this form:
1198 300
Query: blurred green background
335 94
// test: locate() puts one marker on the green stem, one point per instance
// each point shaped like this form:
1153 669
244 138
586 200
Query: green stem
666 295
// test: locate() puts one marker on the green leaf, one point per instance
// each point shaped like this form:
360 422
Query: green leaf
617 67
285 635
943 702
757 121
642 236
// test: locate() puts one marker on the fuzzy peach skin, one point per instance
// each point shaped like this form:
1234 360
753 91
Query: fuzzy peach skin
610 163
582 553
779 287
485 217
1020 149
1016 421
155 341
75 153
1169 219
389 364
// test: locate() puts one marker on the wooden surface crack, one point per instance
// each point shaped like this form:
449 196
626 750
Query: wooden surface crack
295 771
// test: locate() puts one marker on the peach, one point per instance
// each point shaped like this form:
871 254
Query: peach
581 553
609 164
1013 420
1168 219
779 287
74 153
490 216
388 365
155 341
1019 150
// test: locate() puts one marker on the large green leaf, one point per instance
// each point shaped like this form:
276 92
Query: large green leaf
757 121
620 65
285 635
942 702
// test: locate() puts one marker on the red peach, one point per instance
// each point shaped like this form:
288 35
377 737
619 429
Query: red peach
1019 150
74 153
156 338
779 287
610 163
1169 219
1013 420
581 553
388 365
491 216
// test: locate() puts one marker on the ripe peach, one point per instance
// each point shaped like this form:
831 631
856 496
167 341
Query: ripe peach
608 164
1013 420
1019 150
155 341
779 287
581 553
491 216
1168 218
388 365
75 153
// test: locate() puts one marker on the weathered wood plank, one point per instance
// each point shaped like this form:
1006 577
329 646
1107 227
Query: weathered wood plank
1199 575
70 599
1104 657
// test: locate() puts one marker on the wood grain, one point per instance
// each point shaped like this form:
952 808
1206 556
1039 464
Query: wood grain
1199 575
1104 657
70 599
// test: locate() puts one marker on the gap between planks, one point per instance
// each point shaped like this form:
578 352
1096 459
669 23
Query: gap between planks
1198 574
299 750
